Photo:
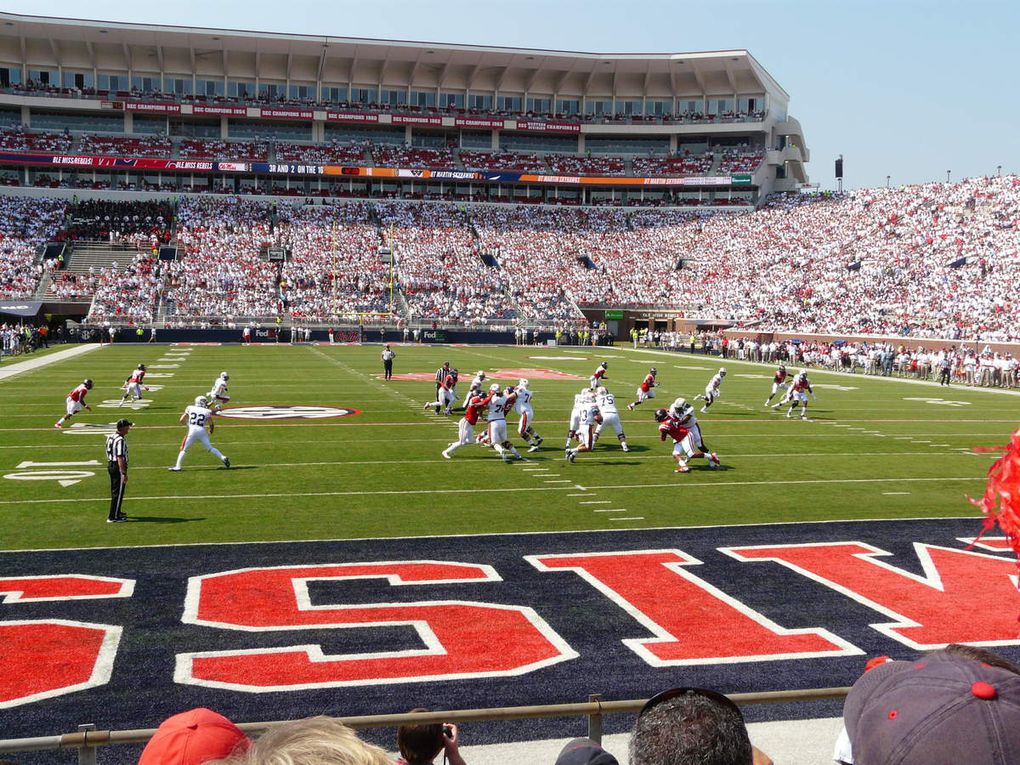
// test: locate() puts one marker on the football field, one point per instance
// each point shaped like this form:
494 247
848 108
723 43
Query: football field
278 588
871 449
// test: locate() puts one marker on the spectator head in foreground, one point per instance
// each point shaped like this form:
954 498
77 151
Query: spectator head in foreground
690 725
957 705
312 741
584 751
194 738
421 743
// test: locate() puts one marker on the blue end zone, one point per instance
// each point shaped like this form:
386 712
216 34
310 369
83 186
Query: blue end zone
142 691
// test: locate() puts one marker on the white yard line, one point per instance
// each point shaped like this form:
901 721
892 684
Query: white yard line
13 370
680 483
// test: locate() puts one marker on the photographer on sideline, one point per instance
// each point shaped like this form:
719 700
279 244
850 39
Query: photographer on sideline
421 744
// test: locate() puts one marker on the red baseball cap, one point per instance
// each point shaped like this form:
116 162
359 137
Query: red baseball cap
193 737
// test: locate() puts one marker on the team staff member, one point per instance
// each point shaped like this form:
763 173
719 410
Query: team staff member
117 466
387 361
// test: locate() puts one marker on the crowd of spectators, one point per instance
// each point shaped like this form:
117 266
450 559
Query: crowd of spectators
223 273
736 161
19 139
442 275
215 149
502 160
388 155
681 165
144 146
25 225
591 164
334 270
135 223
320 153
129 294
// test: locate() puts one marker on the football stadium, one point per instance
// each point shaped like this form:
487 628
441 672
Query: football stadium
500 390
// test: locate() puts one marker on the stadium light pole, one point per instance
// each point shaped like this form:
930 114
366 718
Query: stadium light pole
998 171
887 180
947 175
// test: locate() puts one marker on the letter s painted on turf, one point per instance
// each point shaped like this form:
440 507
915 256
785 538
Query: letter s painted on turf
460 639
46 658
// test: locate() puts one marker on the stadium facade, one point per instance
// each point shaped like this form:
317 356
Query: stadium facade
470 122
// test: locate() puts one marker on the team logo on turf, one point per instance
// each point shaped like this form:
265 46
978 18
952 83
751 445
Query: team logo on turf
286 412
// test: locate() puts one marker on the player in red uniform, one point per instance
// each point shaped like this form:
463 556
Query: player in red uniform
466 426
446 395
75 402
798 394
778 381
133 385
684 447
646 389
598 375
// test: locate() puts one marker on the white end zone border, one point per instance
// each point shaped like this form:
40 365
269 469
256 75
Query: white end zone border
12 370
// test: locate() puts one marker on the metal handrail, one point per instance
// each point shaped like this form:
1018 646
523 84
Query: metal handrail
86 739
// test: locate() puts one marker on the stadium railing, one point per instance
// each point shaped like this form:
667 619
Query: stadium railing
87 740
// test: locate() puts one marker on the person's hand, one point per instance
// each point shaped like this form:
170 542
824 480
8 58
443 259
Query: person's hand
88 407
758 757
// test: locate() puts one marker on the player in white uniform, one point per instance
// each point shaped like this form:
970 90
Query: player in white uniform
475 389
712 389
610 416
575 416
500 403
198 417
217 396
527 415
683 413
133 385
590 418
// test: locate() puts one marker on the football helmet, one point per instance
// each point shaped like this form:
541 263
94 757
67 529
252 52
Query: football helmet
679 405
224 376
722 371
523 383
480 374
601 390
653 371
604 365
142 367
494 388
87 383
661 415
202 401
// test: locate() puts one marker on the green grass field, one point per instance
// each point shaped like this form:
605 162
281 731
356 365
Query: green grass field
872 449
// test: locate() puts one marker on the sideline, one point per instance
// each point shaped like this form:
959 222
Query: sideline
20 367
713 359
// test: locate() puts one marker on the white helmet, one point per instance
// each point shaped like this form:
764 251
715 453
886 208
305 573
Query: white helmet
601 390
494 388
522 383
480 374
679 405
722 371
201 401
224 376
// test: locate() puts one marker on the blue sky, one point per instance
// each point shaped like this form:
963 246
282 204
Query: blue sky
903 88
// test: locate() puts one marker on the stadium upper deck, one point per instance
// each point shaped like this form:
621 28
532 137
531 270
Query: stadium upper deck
71 76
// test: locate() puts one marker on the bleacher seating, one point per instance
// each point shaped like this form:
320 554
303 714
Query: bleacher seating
502 160
204 148
147 146
413 157
681 166
575 164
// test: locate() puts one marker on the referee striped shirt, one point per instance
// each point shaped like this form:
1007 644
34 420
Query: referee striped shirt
116 446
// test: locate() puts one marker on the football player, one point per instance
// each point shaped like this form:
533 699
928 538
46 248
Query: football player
712 389
75 402
217 397
681 411
798 394
476 388
527 415
778 382
610 416
133 385
466 426
501 402
683 444
646 389
198 417
446 396
575 416
598 375
590 418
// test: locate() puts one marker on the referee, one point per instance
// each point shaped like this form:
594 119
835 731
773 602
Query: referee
117 466
387 361
441 374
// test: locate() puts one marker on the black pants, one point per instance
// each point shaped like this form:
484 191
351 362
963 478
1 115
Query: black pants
388 368
116 490
944 377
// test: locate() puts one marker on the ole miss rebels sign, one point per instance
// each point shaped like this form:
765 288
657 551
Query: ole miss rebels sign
124 638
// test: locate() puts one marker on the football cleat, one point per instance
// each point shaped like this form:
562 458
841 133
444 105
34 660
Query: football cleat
446 455
630 407
533 448
682 468
226 462
174 469
58 426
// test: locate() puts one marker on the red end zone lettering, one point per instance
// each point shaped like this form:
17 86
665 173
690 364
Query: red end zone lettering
962 597
693 622
460 639
41 659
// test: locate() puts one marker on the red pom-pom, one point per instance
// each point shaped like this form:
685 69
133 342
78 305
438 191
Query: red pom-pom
1001 501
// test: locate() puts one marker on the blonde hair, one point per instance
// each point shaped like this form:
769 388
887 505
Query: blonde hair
312 741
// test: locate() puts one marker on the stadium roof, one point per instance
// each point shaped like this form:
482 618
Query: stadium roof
110 46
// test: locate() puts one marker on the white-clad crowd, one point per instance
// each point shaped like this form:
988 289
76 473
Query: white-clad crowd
129 294
25 225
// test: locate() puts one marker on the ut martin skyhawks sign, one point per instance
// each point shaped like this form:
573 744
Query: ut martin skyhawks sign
486 620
